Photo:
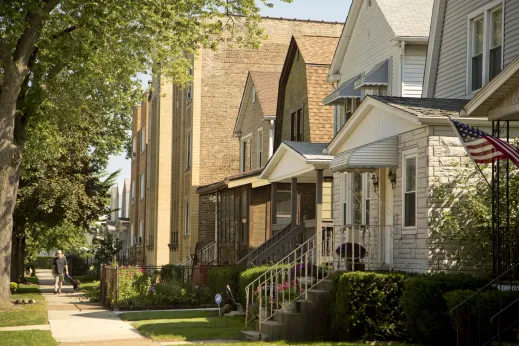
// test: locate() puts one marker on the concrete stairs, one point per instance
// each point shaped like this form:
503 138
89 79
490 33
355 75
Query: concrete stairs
302 320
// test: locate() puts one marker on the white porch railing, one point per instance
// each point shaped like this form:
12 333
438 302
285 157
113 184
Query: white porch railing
207 255
343 249
187 262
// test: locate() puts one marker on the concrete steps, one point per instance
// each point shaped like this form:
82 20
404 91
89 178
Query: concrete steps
300 321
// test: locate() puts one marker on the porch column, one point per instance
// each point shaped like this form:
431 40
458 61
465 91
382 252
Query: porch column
319 212
273 206
293 200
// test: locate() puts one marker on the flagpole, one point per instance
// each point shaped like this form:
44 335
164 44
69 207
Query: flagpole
474 161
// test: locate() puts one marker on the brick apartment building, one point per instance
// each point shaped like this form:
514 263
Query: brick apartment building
191 133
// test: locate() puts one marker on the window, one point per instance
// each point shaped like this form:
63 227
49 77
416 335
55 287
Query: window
133 191
245 153
259 145
189 88
253 94
143 139
367 197
186 221
350 108
132 234
188 151
284 206
134 148
409 187
485 45
142 187
357 201
355 198
297 126
141 231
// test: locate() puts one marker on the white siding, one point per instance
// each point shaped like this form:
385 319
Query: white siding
413 71
371 43
511 33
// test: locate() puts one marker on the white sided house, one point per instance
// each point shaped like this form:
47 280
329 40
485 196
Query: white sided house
382 51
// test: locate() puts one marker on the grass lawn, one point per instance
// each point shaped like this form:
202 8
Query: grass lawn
27 337
185 325
23 315
310 344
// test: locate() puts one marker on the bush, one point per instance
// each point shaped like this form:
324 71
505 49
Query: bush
133 286
43 262
478 311
95 294
78 265
14 287
426 314
168 273
219 278
249 275
367 306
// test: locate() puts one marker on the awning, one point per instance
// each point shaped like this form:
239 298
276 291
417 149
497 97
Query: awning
379 154
379 75
345 90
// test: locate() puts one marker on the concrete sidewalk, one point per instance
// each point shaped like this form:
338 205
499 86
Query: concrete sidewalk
75 321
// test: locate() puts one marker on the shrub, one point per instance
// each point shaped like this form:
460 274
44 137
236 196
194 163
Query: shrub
367 306
426 314
14 287
249 275
95 294
478 311
168 273
42 262
133 286
219 278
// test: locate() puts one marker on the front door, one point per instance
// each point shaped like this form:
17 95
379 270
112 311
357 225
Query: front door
387 228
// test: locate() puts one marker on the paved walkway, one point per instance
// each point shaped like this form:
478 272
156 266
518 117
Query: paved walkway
75 321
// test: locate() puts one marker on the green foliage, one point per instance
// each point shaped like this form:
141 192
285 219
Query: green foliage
248 276
94 295
43 262
478 311
14 287
168 274
219 278
107 249
367 306
426 314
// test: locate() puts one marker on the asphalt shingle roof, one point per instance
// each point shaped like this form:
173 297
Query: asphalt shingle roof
266 84
310 151
425 107
318 50
408 17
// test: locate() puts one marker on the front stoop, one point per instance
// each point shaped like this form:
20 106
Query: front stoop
308 321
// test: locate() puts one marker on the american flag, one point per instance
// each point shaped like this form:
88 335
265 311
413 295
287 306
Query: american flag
484 148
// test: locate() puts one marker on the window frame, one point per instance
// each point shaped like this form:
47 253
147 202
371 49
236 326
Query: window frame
486 13
188 151
186 219
133 191
141 230
410 153
259 147
297 118
189 87
347 198
142 190
134 148
143 139
243 140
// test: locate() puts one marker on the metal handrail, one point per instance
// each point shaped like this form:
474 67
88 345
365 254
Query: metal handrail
485 287
286 230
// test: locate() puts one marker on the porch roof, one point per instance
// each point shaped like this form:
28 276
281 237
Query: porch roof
297 160
379 154
345 90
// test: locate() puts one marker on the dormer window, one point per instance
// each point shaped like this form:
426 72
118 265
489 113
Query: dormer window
485 46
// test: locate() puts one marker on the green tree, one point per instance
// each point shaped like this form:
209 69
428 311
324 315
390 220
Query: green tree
57 56
106 250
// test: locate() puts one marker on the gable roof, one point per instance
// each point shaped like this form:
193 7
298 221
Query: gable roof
310 151
266 84
425 107
317 50
407 18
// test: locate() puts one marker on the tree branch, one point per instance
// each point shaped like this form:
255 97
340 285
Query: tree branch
4 54
63 32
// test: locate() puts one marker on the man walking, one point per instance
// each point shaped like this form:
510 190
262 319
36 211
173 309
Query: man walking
60 269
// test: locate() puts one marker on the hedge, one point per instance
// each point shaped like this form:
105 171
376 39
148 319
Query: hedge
42 262
427 317
219 278
249 275
367 306
477 312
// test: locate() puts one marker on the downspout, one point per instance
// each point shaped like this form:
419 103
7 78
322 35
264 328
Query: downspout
402 64
216 237
271 139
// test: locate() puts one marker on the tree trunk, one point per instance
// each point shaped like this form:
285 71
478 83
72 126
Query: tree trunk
17 258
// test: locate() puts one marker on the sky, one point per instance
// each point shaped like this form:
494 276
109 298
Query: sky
327 10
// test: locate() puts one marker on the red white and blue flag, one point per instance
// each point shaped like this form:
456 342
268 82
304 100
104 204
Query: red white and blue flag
484 148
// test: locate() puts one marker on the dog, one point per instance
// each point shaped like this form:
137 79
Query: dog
76 284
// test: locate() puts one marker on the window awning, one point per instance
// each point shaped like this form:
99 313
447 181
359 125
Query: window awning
345 90
379 75
379 154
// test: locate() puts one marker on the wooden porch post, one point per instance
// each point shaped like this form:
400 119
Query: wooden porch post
273 206
293 200
319 212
